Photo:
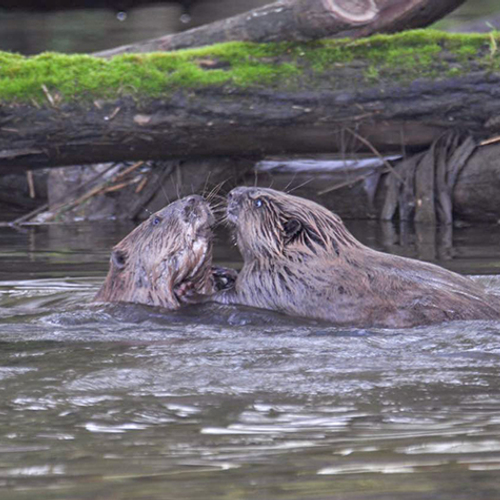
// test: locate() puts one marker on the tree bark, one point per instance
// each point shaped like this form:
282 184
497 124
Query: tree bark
301 20
400 15
361 193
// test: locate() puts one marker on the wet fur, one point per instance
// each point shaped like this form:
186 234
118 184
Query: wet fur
300 259
165 256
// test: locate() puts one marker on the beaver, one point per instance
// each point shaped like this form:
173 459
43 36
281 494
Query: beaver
300 259
166 257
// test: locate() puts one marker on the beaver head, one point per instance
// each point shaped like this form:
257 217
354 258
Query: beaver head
273 225
166 254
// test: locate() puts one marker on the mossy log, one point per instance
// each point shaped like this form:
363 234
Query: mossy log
244 99
302 20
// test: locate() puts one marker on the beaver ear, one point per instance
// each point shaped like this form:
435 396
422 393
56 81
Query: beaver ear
293 228
119 258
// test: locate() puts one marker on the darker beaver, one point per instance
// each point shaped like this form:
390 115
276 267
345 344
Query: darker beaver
301 260
165 257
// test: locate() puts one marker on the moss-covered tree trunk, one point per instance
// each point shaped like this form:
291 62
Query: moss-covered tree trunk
239 99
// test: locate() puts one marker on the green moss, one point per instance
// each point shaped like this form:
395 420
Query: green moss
405 56
372 73
401 57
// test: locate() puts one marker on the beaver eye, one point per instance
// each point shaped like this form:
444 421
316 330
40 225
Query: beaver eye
257 203
156 221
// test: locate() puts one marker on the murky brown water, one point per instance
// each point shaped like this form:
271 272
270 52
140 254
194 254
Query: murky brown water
125 403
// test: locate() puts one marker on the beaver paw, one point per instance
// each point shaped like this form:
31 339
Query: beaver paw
186 293
224 278
183 289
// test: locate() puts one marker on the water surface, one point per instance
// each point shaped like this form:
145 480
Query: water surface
124 402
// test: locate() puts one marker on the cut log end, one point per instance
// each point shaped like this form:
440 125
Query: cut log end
326 18
352 11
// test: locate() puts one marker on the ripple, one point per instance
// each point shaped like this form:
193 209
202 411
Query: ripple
113 429
461 447
383 468
41 470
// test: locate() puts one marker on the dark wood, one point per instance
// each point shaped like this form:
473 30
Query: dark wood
400 15
361 193
299 20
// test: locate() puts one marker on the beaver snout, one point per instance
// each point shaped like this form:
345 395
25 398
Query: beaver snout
191 202
197 208
233 206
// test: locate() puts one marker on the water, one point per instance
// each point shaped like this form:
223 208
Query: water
122 402
91 30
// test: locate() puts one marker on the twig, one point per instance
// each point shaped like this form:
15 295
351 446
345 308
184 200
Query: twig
48 95
113 114
45 206
127 171
117 187
31 183
374 150
141 184
349 183
492 140
100 189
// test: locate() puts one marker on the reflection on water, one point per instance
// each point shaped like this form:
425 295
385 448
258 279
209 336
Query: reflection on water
123 402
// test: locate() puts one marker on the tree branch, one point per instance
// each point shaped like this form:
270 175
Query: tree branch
301 20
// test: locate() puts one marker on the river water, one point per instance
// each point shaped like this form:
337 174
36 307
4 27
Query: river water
127 403
124 402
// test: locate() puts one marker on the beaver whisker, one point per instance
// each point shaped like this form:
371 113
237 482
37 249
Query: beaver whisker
205 185
229 224
305 183
215 190
165 193
285 189
219 206
220 216
220 200
222 221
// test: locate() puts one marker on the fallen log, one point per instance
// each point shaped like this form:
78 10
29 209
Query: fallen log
361 191
302 20
238 99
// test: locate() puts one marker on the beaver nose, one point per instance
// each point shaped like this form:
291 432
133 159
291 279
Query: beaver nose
233 203
236 193
193 200
192 203
193 206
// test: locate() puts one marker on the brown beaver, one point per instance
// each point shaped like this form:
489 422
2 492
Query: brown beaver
165 257
301 260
